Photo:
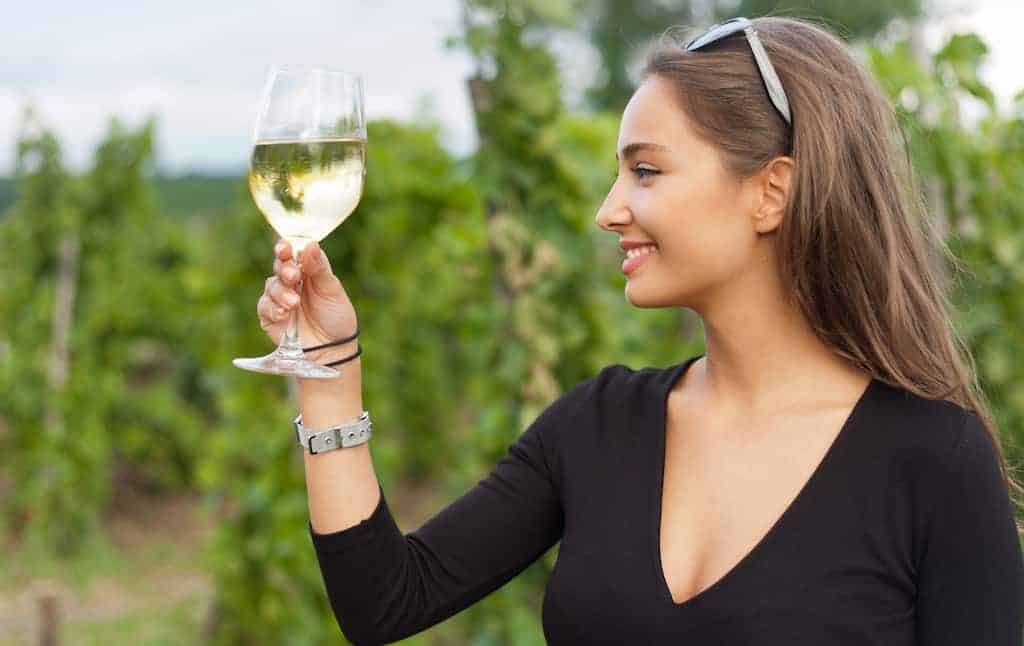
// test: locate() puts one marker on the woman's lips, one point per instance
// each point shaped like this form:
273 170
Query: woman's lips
630 264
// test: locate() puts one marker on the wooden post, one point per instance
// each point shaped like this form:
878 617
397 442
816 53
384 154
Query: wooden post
67 280
49 619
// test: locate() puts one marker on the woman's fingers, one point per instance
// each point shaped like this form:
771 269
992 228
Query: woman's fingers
283 250
278 294
269 311
281 293
287 271
272 288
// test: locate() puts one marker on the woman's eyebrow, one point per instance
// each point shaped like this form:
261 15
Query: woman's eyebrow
630 150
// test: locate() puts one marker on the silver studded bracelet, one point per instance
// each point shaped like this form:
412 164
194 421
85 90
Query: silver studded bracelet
336 437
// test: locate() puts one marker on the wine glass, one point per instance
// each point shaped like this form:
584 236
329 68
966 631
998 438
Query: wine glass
306 176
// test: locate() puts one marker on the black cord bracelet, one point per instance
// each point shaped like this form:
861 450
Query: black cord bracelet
359 351
332 343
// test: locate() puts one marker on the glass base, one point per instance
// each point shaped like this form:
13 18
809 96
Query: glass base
276 363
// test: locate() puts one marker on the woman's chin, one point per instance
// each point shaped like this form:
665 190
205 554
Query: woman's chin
641 293
634 294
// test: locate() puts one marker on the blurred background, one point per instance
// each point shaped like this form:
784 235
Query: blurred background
151 493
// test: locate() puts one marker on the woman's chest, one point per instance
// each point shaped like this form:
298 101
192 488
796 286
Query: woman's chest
798 552
817 582
724 490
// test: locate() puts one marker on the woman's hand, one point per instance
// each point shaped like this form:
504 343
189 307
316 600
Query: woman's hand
325 312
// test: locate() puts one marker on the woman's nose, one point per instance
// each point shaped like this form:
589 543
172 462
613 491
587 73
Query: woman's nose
612 211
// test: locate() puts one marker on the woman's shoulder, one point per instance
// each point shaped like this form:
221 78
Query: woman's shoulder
924 433
607 402
615 390
617 380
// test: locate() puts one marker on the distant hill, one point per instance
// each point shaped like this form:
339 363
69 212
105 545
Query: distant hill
195 194
192 194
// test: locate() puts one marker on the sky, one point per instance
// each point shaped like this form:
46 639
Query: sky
199 67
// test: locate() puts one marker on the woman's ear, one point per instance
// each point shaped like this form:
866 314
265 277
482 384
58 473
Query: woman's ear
774 181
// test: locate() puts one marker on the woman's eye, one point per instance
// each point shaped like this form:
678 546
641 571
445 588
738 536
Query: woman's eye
644 172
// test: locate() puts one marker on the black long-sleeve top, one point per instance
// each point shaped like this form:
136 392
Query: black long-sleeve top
904 534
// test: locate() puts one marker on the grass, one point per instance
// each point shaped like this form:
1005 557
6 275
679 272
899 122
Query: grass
138 586
175 624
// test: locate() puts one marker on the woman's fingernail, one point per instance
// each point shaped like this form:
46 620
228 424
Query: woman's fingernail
291 299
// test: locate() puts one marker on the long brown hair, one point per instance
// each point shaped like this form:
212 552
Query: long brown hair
856 245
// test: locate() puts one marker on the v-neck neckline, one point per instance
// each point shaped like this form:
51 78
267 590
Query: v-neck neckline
662 392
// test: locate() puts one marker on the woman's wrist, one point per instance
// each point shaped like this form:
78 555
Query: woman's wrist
334 353
335 342
325 402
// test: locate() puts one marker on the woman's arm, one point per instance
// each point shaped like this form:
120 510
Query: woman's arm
341 485
384 585
971 576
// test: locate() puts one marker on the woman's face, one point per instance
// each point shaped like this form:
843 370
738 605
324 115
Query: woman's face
673 191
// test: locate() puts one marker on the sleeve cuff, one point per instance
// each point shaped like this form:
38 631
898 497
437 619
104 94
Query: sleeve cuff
380 520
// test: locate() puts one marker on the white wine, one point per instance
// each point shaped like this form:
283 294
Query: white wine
306 188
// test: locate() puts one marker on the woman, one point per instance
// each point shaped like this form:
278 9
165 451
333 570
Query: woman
823 474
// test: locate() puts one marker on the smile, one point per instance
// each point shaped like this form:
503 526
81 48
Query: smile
636 257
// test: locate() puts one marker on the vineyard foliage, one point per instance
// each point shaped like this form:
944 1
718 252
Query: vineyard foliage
484 290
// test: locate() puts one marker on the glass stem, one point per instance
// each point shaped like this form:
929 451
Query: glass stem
290 346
